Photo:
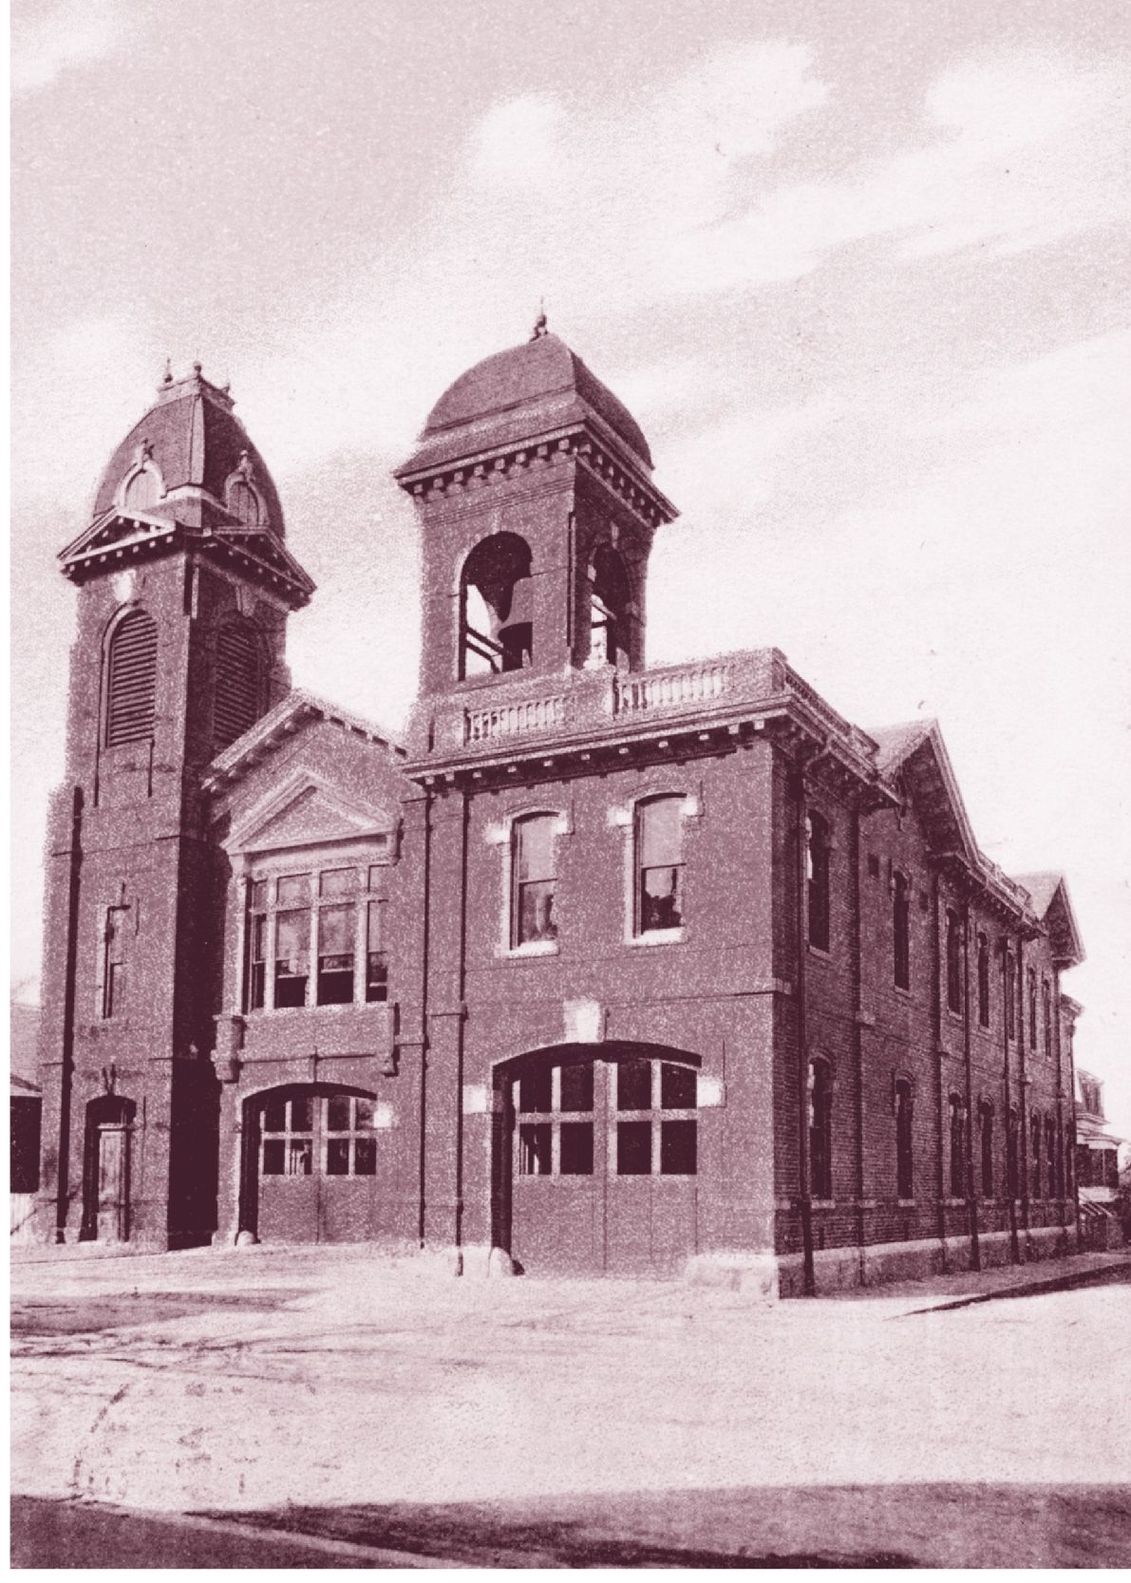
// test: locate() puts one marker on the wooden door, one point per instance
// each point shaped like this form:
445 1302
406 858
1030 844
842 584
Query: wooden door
112 1184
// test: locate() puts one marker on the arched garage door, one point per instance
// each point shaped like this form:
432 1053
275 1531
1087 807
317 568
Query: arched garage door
597 1154
310 1164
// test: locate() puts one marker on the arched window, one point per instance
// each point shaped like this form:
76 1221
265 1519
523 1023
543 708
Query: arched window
901 930
238 693
983 981
608 607
496 615
957 1147
131 680
953 961
534 879
141 491
1035 1130
820 1129
243 503
904 1145
986 1144
659 864
817 847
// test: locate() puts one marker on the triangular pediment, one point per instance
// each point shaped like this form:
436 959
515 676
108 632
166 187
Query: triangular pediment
916 757
305 812
114 530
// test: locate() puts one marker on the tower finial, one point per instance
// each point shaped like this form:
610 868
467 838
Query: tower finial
168 379
540 327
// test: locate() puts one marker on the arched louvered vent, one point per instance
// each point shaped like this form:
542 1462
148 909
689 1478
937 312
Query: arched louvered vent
132 680
238 682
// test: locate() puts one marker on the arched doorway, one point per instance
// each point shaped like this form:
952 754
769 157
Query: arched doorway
596 1159
310 1164
106 1170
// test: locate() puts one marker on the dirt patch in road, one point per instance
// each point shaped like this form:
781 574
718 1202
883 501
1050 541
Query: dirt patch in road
126 1310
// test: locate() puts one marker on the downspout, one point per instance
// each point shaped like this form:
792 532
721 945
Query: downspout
1023 1084
67 1063
461 1022
426 921
857 1029
809 1286
936 1038
1012 1143
971 1195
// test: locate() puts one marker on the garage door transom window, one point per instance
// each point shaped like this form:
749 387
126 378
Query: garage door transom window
555 1121
323 1134
657 1119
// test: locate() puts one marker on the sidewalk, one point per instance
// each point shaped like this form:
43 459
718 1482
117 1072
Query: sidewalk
1004 1280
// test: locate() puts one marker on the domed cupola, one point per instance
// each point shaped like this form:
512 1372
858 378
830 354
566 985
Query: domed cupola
187 474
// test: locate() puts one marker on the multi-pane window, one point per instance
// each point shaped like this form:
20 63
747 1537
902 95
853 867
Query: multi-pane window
1032 1009
534 879
659 864
113 962
901 930
986 1141
657 1120
131 680
1010 994
315 939
983 981
957 1147
820 1130
817 853
325 1134
287 1143
953 961
904 1156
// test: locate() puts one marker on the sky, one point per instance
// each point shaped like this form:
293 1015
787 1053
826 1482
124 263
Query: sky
859 270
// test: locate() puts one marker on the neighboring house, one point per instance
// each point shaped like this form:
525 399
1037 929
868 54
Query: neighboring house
608 967
23 1122
1097 1165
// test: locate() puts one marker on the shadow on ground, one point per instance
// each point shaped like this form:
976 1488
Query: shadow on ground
943 1525
127 1310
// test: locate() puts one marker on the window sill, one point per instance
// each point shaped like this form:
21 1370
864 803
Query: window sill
822 1203
305 1011
905 994
529 948
905 1203
820 952
954 1203
658 937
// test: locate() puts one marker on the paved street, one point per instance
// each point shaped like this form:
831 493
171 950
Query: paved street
383 1405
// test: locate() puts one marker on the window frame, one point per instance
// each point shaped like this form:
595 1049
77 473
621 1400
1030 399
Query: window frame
986 1150
818 881
515 944
901 891
953 963
636 933
819 1116
956 1132
985 1008
904 1105
365 899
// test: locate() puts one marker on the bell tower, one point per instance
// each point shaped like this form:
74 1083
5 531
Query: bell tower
184 584
533 484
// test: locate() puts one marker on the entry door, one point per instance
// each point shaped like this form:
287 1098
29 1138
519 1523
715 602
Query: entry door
604 1156
112 1182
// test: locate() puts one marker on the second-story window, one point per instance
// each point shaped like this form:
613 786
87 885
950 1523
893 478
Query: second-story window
817 880
953 961
901 930
983 981
534 879
1032 1009
659 864
1010 995
1046 1014
113 963
315 939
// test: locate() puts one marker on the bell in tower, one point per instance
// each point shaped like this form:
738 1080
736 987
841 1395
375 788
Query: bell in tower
534 489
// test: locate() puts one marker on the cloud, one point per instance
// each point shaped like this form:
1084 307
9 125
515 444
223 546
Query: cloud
49 39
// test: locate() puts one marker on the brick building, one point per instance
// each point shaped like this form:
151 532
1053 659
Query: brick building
607 967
